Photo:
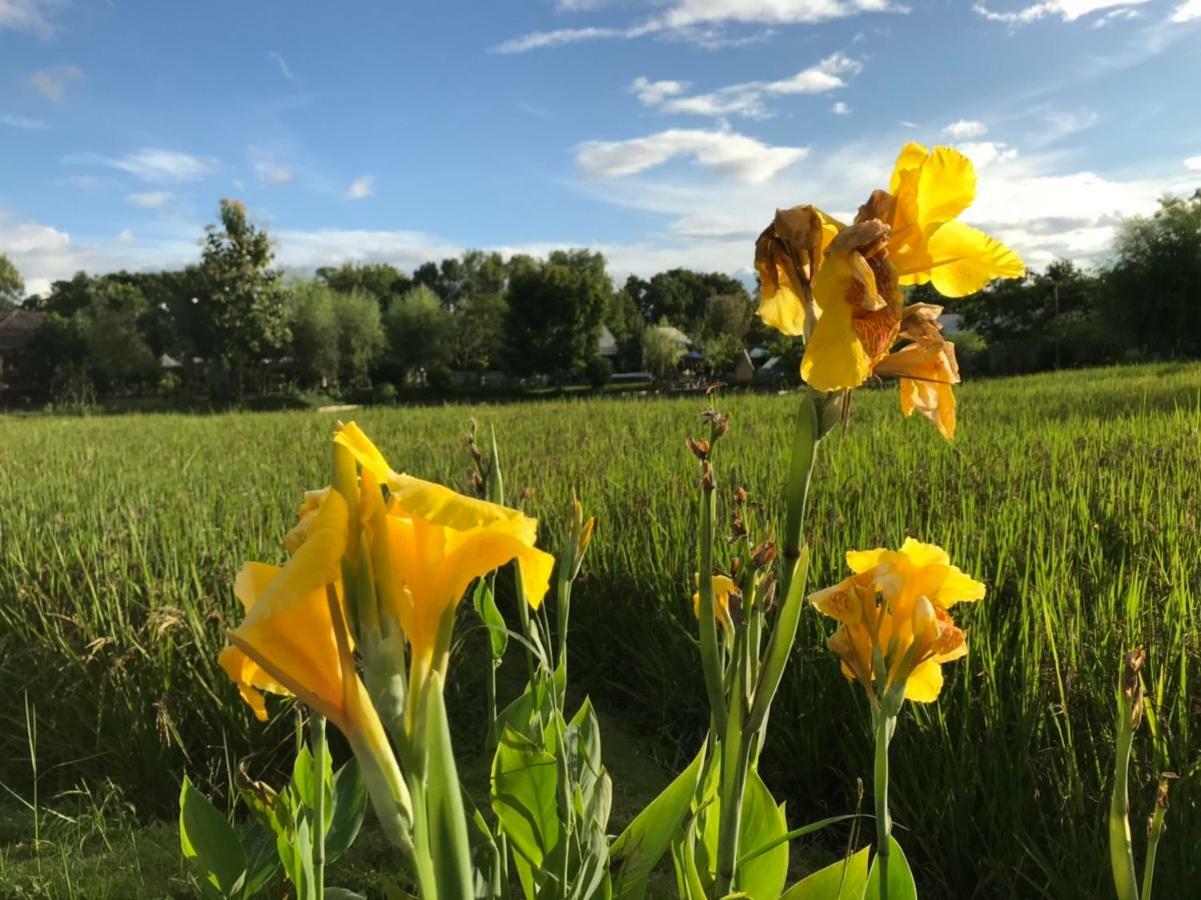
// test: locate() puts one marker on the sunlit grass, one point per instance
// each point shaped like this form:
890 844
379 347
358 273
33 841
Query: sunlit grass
1075 496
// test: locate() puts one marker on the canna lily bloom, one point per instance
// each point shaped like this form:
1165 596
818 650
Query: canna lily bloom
723 588
787 256
429 543
894 619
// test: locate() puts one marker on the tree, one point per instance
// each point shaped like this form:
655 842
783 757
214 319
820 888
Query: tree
360 337
721 353
728 314
12 285
117 349
479 332
661 352
555 312
313 324
1155 280
682 296
244 304
419 332
381 280
625 323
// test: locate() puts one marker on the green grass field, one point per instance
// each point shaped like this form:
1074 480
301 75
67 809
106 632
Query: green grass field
1075 496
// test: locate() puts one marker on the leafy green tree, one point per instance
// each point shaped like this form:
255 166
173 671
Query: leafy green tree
555 312
118 351
361 338
625 323
67 297
728 314
721 352
479 333
420 332
244 303
381 280
313 324
682 296
661 353
1155 280
12 285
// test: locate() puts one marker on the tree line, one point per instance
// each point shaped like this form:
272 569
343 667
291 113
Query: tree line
233 326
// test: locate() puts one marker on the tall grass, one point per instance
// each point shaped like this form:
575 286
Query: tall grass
1075 496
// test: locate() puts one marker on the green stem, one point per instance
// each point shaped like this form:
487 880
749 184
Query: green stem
1153 836
885 725
1121 851
736 752
800 469
320 757
710 661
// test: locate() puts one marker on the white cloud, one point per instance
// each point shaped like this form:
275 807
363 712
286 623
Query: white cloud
31 16
840 109
1187 11
1193 163
268 172
652 93
150 164
905 123
1066 10
150 199
1058 124
732 155
361 187
686 19
749 98
965 129
985 153
52 82
125 236
284 68
23 122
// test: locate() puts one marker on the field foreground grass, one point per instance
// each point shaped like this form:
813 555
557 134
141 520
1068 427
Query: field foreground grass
1074 496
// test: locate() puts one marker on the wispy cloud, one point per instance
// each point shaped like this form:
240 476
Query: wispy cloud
52 82
725 153
748 99
687 20
150 199
985 153
23 122
150 164
30 16
1193 163
840 109
1066 10
1187 11
361 188
284 68
273 173
965 129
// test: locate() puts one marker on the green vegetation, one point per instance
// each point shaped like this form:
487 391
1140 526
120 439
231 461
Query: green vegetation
1074 496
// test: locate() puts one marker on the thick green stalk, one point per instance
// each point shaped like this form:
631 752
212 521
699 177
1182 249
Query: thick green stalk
1154 833
1121 852
885 725
710 660
320 758
736 751
804 451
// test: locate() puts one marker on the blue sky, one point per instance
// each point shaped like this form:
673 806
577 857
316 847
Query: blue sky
664 133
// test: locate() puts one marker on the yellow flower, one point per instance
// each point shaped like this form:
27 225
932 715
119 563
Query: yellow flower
927 369
895 606
787 256
429 543
293 639
723 588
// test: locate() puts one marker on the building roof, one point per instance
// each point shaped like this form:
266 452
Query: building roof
17 328
606 344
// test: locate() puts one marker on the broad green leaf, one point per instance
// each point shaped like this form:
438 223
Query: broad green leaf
584 753
763 823
337 893
525 782
209 842
262 861
842 880
527 715
304 777
640 847
447 820
349 807
900 878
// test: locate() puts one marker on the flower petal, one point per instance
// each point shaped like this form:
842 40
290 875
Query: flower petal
834 356
958 587
964 260
946 187
911 157
925 682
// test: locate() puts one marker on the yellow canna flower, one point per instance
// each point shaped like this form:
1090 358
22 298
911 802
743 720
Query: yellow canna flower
292 641
893 611
787 256
723 589
429 543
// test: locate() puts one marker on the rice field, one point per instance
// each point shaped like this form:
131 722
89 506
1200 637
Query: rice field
1075 496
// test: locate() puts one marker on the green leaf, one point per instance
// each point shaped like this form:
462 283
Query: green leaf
525 781
484 602
763 823
304 778
640 847
337 893
262 861
349 807
209 842
584 759
900 878
447 820
842 880
526 715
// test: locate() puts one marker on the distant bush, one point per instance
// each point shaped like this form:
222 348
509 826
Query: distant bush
384 393
598 371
